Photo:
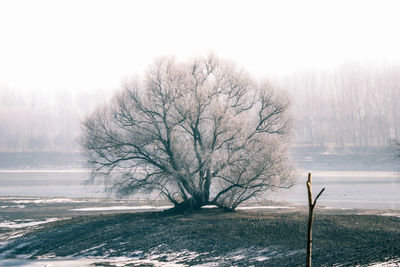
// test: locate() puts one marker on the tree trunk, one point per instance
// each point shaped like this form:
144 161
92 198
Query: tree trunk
186 206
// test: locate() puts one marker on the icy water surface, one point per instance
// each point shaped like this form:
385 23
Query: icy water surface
48 184
347 190
362 190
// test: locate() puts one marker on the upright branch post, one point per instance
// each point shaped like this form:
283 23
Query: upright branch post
311 206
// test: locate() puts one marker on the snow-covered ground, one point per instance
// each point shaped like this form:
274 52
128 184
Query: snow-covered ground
391 263
84 262
172 259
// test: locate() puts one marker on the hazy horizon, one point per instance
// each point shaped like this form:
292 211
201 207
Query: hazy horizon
59 59
91 45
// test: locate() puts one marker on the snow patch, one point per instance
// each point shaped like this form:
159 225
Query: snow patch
261 258
332 208
47 200
173 257
209 207
17 225
391 263
251 207
87 262
264 207
123 208
92 249
391 214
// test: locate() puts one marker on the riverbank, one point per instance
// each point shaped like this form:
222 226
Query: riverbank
211 237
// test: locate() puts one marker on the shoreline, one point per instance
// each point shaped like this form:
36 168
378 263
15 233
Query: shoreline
111 203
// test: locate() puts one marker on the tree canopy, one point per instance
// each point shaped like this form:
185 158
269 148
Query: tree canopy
198 133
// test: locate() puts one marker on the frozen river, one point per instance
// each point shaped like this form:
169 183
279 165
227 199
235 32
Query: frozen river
365 190
48 184
347 190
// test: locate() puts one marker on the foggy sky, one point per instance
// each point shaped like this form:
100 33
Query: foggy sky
90 45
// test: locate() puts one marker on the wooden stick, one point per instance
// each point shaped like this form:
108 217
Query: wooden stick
311 206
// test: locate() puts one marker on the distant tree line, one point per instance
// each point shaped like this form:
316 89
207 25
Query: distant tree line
37 121
356 104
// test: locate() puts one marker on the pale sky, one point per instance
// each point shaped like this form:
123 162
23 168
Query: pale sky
87 45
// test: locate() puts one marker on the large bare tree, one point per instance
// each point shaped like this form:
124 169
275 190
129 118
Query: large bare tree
199 133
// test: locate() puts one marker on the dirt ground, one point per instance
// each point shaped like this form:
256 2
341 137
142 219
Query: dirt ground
211 237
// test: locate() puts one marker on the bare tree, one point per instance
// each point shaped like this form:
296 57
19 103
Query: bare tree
199 133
